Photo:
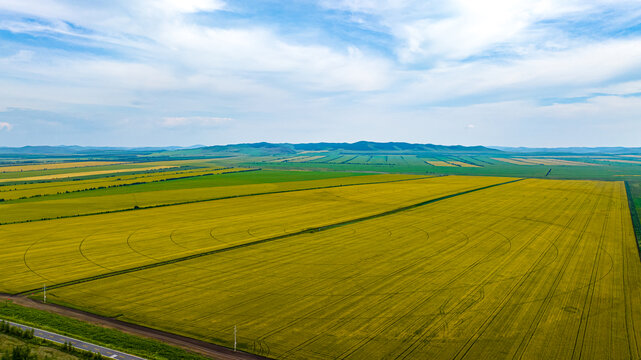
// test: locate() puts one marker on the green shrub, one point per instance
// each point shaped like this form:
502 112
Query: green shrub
21 352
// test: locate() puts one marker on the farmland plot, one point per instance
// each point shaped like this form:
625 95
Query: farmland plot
536 269
60 165
67 249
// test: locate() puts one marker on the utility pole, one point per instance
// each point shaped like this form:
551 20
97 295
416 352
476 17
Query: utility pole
44 293
234 337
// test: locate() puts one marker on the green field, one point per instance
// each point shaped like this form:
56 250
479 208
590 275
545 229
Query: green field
487 165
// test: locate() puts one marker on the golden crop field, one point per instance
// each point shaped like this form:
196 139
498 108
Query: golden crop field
299 158
67 249
438 163
535 269
85 173
61 165
313 151
308 158
513 161
549 161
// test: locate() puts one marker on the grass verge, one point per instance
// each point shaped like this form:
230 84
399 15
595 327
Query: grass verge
636 222
110 338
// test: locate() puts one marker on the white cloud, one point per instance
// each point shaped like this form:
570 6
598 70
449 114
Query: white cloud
261 52
158 32
194 121
5 126
433 31
545 74
190 6
620 88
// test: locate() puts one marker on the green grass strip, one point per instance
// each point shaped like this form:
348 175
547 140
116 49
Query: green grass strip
257 242
110 338
636 222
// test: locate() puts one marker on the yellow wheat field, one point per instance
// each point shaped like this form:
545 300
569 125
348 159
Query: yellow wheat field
308 158
554 162
513 161
299 158
438 163
536 269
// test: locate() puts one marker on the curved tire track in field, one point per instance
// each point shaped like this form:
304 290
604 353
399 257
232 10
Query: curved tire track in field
82 253
171 238
26 263
25 255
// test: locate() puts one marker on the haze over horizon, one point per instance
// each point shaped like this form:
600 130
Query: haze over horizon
535 73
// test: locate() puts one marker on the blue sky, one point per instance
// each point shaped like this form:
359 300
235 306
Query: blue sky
183 72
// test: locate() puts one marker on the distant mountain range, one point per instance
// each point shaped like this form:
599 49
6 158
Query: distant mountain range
361 146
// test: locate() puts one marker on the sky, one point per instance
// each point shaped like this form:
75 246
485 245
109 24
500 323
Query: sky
537 73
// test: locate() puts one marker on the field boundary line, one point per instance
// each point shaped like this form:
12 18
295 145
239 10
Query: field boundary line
636 222
136 207
262 241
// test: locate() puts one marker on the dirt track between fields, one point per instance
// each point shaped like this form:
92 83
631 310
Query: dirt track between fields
197 346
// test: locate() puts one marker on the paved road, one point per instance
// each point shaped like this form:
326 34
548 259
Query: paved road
113 354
